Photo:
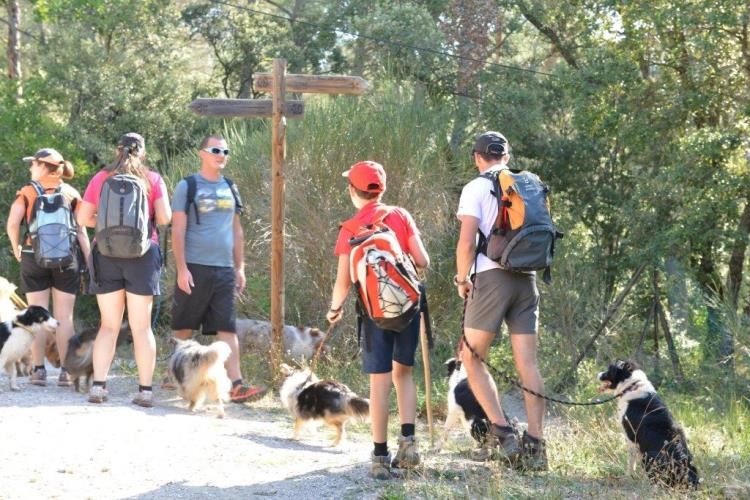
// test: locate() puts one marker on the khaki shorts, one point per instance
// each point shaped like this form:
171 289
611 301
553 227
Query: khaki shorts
500 296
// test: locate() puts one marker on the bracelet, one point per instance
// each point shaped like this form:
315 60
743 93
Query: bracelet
459 283
336 310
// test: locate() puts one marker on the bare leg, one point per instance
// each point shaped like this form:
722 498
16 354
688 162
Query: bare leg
480 381
111 309
39 344
380 388
406 392
233 363
524 355
144 344
63 305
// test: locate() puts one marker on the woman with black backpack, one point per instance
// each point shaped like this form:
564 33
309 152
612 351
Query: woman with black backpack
53 249
124 202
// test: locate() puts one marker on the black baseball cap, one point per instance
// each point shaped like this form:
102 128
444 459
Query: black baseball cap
132 139
491 143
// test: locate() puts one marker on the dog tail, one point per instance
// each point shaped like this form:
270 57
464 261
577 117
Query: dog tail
80 351
358 407
218 351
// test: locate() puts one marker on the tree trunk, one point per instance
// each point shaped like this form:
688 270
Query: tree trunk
737 259
662 318
14 45
677 294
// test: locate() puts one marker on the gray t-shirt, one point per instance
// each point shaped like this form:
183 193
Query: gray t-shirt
211 242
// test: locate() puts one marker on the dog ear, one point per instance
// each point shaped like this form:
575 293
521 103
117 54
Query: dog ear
450 365
629 365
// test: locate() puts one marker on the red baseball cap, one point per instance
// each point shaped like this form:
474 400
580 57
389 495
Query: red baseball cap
368 176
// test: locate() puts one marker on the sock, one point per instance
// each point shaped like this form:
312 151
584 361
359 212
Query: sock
381 449
407 430
63 370
142 388
532 439
40 367
103 385
237 382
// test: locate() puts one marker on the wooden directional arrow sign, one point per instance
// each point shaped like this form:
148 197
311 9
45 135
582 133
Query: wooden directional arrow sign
314 84
246 108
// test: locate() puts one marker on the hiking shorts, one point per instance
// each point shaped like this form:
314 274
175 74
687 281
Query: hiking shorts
210 306
35 278
139 276
499 296
382 347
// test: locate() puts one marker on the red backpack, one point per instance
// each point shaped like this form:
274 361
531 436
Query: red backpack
383 274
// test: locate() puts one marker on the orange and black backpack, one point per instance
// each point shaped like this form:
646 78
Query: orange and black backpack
384 275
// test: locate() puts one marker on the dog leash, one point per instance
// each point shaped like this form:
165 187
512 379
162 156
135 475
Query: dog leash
319 349
516 383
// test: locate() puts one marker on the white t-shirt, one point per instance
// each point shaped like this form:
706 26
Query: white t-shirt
478 201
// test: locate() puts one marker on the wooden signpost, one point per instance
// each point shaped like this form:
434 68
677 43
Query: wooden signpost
278 83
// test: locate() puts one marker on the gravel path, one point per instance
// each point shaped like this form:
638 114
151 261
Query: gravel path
57 445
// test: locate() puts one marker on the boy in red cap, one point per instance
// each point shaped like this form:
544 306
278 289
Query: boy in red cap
388 355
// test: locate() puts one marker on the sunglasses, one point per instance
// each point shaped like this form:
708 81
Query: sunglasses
217 151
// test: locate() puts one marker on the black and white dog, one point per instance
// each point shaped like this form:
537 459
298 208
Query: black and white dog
463 406
16 336
650 427
309 399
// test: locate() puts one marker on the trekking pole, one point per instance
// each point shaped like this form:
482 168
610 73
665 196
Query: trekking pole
427 375
18 301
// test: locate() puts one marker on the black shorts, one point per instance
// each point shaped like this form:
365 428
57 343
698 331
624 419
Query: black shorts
138 276
210 306
35 278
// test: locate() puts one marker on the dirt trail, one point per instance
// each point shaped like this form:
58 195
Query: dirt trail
57 445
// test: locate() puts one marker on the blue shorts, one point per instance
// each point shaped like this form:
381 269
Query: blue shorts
382 347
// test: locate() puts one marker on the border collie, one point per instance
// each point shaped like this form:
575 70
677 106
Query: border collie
308 399
649 426
199 373
17 335
463 406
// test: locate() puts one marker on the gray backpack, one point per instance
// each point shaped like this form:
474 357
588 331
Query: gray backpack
523 236
52 229
123 226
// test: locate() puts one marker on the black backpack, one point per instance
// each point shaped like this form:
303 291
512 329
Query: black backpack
52 229
192 187
523 236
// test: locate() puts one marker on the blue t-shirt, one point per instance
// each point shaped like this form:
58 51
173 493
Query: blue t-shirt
211 242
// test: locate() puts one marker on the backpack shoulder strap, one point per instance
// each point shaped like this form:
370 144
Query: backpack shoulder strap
38 187
192 187
236 193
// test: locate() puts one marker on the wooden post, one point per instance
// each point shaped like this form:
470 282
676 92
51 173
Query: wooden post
278 109
278 157
427 375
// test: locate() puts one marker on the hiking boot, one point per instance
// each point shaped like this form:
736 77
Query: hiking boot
533 453
500 444
144 399
39 377
244 393
407 456
380 468
97 394
63 380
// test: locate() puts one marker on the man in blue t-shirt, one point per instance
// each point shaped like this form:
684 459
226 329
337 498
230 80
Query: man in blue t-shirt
208 245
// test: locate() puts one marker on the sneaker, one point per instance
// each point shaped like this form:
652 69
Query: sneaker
501 444
144 399
97 394
39 377
407 456
244 393
533 453
63 380
380 467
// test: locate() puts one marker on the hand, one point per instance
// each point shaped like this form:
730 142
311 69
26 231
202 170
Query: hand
334 316
239 281
464 289
185 281
17 252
